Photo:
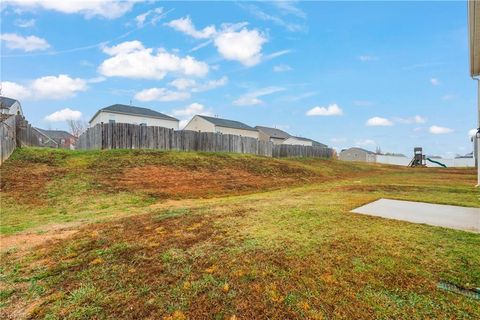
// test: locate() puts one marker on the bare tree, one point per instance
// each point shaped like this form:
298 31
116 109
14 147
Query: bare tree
77 127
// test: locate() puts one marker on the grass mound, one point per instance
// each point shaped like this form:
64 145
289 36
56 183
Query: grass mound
52 185
295 252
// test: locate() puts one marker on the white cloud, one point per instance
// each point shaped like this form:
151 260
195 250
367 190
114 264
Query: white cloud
132 60
448 97
109 9
57 87
439 130
252 98
262 15
331 110
365 58
161 94
64 115
365 143
124 47
154 14
282 68
27 44
193 86
96 80
14 90
21 23
434 81
45 88
416 119
191 110
289 7
244 46
211 84
233 42
186 26
183 84
379 122
472 132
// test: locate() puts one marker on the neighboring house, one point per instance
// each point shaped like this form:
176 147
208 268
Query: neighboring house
63 139
274 135
10 106
120 113
303 142
43 139
467 156
211 124
357 154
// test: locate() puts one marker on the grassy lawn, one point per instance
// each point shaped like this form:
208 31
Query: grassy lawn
220 236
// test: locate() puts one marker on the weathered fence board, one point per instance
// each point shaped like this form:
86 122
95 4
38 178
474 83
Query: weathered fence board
15 132
7 138
130 136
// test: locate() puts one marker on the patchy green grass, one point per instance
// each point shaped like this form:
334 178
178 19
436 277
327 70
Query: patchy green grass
290 251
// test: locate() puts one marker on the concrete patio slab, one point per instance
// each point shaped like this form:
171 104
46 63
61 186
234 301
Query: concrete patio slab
461 218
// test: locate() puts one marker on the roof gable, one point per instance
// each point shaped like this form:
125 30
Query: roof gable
227 123
273 132
7 102
314 143
56 134
360 149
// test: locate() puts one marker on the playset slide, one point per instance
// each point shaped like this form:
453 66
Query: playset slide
439 163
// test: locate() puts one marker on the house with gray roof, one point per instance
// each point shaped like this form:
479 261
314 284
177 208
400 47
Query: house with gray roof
212 124
56 139
121 113
357 154
274 135
293 140
10 106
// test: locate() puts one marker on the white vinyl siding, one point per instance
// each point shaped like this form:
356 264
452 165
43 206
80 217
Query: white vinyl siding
105 117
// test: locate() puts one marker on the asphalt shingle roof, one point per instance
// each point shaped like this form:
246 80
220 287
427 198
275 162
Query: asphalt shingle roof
138 111
273 132
228 123
315 143
361 149
56 134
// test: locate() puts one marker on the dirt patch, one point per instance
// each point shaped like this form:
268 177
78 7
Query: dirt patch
25 182
46 236
168 181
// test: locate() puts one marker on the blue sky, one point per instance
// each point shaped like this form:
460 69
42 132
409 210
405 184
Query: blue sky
387 74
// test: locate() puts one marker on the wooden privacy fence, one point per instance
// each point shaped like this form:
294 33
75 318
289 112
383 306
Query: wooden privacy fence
7 138
15 132
131 136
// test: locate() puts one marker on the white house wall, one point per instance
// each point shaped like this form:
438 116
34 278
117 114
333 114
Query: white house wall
199 124
237 132
298 142
15 108
105 117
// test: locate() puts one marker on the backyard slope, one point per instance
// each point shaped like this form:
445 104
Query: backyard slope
222 236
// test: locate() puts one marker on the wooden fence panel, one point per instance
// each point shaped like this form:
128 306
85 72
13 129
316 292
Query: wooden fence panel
130 136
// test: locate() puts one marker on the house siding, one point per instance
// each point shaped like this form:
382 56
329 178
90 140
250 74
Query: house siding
237 132
105 117
354 154
15 109
202 125
298 142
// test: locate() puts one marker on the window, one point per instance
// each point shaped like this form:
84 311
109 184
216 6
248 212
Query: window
143 124
111 121
62 141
